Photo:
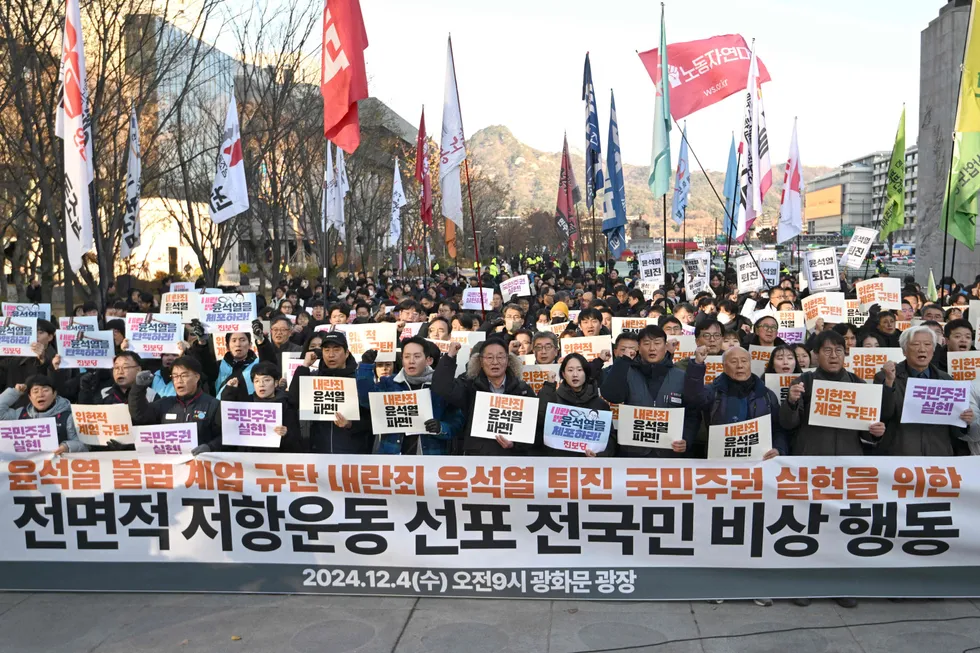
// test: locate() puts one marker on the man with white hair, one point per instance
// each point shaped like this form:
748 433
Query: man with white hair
900 439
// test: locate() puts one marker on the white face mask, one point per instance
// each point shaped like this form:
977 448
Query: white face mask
724 318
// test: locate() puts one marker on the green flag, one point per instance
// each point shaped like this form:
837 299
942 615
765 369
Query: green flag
931 294
660 178
959 217
893 215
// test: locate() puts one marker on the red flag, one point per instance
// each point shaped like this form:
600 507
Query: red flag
568 195
703 72
422 173
343 78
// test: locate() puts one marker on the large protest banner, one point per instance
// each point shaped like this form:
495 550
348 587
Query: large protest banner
584 528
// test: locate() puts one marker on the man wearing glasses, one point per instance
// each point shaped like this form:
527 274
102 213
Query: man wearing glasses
272 348
544 345
125 367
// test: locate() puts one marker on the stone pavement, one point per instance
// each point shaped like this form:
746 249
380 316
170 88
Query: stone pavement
216 623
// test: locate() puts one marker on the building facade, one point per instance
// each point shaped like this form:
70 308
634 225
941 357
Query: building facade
838 202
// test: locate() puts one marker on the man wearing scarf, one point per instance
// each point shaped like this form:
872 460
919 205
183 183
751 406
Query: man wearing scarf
418 357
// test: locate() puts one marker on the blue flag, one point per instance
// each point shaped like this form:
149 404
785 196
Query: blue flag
614 190
593 148
731 191
682 182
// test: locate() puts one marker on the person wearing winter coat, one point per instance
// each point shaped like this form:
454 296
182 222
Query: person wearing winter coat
347 434
272 348
418 356
901 439
578 390
43 401
237 363
490 369
267 390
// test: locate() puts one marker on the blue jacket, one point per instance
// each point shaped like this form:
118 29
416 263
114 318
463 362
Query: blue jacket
722 407
450 418
229 367
161 386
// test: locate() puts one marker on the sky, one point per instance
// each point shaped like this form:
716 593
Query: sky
843 67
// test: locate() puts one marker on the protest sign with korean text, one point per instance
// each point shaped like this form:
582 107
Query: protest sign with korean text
792 336
443 345
791 319
963 365
588 346
556 329
472 299
165 439
85 349
685 347
697 268
37 311
865 362
537 375
630 324
21 437
16 336
80 323
400 412
468 338
713 366
380 337
519 286
750 276
829 306
251 423
409 330
651 268
759 357
779 384
821 269
857 250
573 428
510 417
152 335
885 292
292 361
770 270
184 286
220 331
935 402
97 424
855 315
184 304
748 440
657 428
322 397
852 406
215 310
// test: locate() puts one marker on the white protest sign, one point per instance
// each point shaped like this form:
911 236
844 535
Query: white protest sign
468 338
443 345
963 365
779 384
322 397
885 292
770 270
657 428
410 330
151 335
292 361
165 439
652 269
647 288
857 250
219 332
749 276
713 366
759 357
830 306
510 417
519 286
792 336
935 402
685 347
821 269
183 286
16 336
556 329
28 436
184 304
571 428
380 337
215 310
473 300
85 349
688 329
537 375
855 315
251 424
748 440
588 346
791 319
97 424
852 406
37 311
748 308
400 412
697 267
80 323
865 362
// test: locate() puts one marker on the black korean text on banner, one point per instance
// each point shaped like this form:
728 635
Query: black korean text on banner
821 270
748 440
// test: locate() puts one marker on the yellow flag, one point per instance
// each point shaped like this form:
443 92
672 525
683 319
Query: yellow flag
968 109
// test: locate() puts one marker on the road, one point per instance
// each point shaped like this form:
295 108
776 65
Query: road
211 623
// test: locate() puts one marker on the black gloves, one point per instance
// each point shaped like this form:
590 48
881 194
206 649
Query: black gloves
370 356
257 330
196 330
433 426
144 378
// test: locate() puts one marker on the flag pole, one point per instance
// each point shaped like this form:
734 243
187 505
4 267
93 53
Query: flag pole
595 263
665 231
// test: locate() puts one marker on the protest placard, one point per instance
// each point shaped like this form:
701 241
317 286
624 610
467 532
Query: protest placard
570 428
648 288
153 334
409 330
184 286
519 286
770 271
184 304
845 405
292 361
749 275
16 336
791 319
251 424
85 349
857 250
687 329
748 308
510 417
821 269
379 337
855 315
792 336
657 428
963 365
97 424
21 437
748 440
885 292
573 316
651 268
322 397
80 323
400 412
588 346
37 311
556 329
537 375
165 439
219 331
759 357
713 366
468 338
779 384
865 362
830 306
443 345
215 310
473 300
685 347
935 402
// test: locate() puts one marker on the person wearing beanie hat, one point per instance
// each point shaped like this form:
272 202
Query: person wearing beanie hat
560 309
43 401
190 404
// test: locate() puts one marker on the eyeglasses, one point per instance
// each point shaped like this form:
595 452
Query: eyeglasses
123 368
711 336
769 327
837 351
183 377
494 359
281 330
547 347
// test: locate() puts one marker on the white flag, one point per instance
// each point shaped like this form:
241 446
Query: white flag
341 187
397 202
791 206
229 193
73 126
134 171
453 146
755 177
